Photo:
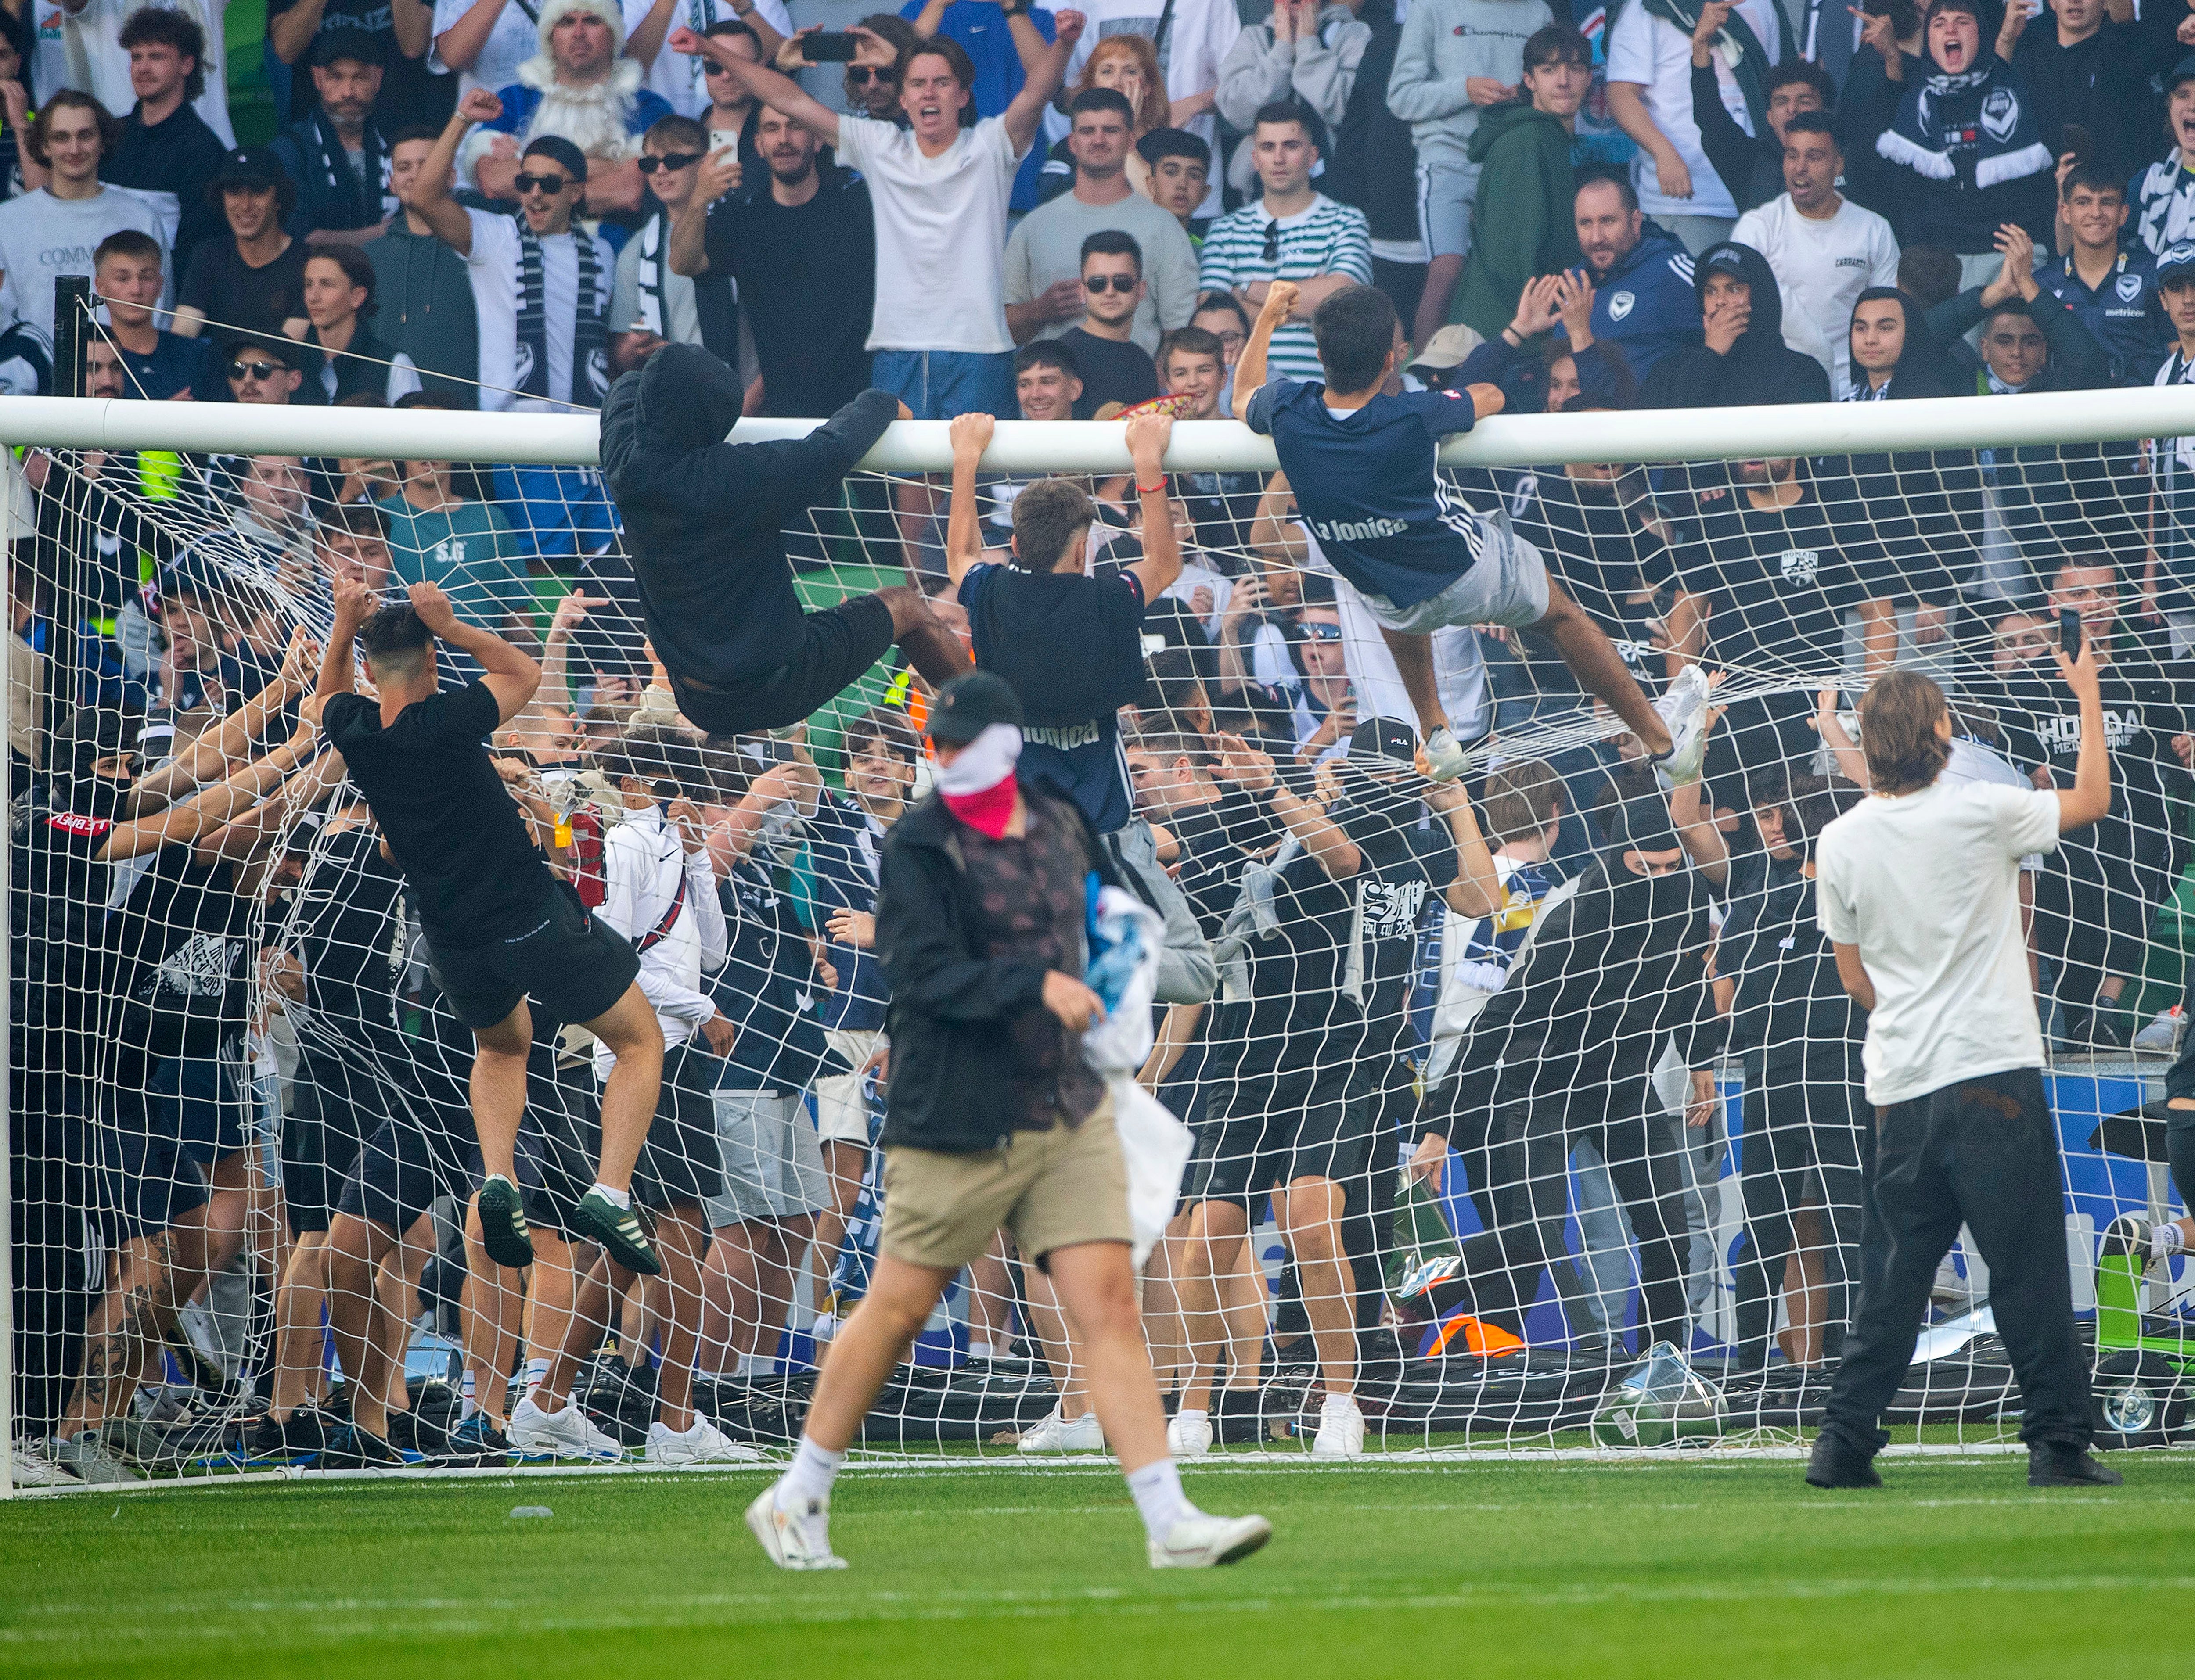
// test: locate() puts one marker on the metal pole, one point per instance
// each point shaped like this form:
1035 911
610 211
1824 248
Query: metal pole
71 329
11 484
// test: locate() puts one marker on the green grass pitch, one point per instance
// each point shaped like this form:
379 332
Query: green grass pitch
1512 1569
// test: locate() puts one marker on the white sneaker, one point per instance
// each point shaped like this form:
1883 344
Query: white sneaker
1444 756
1340 1429
793 1539
1189 1434
2162 1035
1201 1542
1683 708
703 1444
1054 1434
559 1434
32 1468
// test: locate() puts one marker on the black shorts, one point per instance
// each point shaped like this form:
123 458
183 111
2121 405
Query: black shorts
197 1099
403 1167
836 646
147 1180
573 964
561 1141
333 1107
1274 1129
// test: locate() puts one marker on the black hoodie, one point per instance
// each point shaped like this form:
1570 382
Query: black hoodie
1759 368
704 518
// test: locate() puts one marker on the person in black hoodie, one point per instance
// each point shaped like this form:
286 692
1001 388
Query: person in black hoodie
704 520
1805 1118
1374 165
1744 361
1612 974
1909 516
993 1119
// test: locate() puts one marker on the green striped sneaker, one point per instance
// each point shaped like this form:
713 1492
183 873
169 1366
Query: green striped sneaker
502 1223
619 1231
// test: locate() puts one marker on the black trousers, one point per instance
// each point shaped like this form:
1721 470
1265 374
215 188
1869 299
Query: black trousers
1804 1121
1528 1183
1983 1151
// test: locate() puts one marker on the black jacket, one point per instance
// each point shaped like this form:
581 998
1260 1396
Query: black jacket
951 1008
705 519
1374 163
1759 368
1751 167
1790 1006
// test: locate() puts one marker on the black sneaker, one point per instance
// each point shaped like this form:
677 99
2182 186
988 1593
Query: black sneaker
2055 1466
2106 1032
297 1439
1835 1462
477 1441
409 1432
618 1230
502 1223
350 1448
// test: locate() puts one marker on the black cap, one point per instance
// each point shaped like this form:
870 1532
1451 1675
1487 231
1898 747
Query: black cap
248 166
1384 738
967 707
2181 71
284 349
347 41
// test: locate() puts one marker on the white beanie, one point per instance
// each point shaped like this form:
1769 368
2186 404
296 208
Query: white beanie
608 11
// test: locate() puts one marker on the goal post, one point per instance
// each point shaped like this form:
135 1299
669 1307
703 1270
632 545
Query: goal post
255 996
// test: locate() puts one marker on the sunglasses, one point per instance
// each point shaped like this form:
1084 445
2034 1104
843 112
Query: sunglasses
670 160
860 75
1098 285
550 184
1273 241
1320 632
255 370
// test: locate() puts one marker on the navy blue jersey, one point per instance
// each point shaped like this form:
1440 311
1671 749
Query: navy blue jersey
845 844
1368 485
2124 314
1072 647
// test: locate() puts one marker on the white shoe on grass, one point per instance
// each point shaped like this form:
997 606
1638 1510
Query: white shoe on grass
796 1539
1189 1433
567 1434
702 1444
1340 1429
1055 1434
1201 1542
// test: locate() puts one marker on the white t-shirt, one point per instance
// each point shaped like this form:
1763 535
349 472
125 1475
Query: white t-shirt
677 77
1658 56
42 237
1823 266
493 269
81 52
512 41
941 234
1926 886
1197 41
1972 762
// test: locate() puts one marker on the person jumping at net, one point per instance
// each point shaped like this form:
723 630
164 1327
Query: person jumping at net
705 520
500 926
1366 474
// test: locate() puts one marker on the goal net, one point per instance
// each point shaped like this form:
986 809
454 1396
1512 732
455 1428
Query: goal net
1533 1115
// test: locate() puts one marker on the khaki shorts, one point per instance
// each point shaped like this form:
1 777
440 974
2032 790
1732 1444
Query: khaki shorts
1049 1190
841 1114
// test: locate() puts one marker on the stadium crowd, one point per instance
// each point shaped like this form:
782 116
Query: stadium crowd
241 1098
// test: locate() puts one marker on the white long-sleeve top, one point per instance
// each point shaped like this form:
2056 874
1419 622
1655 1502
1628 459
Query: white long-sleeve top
642 864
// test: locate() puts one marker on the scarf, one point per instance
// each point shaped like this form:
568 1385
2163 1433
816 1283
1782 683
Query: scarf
367 206
1737 46
653 314
978 786
590 362
1974 128
2173 459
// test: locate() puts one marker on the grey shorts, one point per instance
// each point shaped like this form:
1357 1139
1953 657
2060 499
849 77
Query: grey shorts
1447 190
1507 586
841 1113
773 1168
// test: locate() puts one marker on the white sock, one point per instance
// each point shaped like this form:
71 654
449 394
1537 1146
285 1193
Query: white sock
1197 1411
754 1365
1340 1403
1158 1498
617 1199
467 1401
2165 1239
809 1476
982 1350
537 1372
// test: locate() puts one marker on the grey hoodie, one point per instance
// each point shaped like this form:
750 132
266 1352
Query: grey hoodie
1444 42
1320 72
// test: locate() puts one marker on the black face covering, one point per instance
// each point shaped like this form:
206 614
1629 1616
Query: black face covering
89 794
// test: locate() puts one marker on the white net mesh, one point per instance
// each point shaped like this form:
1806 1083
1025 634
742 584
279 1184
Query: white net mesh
1490 1097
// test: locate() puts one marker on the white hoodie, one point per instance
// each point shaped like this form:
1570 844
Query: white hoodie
644 864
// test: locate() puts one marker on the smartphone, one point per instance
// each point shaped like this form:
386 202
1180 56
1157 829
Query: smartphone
826 48
2075 139
2069 632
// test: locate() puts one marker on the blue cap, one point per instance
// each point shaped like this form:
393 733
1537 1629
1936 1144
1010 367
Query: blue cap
2176 262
